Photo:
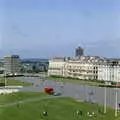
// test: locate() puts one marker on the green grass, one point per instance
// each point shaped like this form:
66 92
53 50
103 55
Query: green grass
10 81
109 86
13 97
58 109
83 82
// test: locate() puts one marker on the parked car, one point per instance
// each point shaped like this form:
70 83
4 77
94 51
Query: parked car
57 93
49 90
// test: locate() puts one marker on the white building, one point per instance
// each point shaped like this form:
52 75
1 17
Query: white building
109 72
81 70
56 67
86 68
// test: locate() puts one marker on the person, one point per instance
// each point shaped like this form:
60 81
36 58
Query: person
18 104
79 112
45 113
89 114
119 106
100 111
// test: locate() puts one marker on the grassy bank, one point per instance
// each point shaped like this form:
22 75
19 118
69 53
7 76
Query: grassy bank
58 109
76 81
13 97
10 81
109 86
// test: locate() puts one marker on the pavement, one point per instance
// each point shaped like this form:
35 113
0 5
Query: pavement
84 92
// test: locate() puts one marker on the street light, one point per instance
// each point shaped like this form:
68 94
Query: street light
105 93
116 95
105 99
5 81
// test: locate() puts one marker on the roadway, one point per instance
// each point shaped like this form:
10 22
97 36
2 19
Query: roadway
83 92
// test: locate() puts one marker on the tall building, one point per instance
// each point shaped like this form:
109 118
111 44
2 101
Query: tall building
79 52
12 64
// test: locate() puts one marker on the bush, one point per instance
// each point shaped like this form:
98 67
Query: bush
2 84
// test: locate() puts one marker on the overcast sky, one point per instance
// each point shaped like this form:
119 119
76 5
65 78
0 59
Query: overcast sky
46 28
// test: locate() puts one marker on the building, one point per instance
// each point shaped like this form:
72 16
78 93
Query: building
56 67
109 71
83 68
79 52
12 64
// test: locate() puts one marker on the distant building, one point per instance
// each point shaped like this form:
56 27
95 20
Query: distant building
86 68
56 66
12 64
83 68
79 52
109 71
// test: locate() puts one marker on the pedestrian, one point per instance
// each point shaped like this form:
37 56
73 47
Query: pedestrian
79 113
18 104
45 113
119 106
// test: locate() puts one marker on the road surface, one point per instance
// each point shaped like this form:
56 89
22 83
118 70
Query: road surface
83 92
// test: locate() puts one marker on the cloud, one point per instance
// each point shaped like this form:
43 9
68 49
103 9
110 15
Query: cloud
105 48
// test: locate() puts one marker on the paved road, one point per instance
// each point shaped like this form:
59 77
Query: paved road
83 92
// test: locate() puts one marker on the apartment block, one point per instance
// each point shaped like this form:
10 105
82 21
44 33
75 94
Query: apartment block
86 68
12 64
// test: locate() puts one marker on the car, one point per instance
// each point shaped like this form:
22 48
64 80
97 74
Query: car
49 91
57 93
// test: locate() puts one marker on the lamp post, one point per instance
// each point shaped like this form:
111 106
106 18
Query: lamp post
105 94
116 96
5 78
105 99
116 101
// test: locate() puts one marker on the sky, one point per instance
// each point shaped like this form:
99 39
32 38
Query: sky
48 28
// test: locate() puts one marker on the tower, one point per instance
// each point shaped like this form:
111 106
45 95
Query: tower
79 52
12 64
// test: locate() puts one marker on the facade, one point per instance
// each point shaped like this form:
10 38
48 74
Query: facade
79 70
12 64
86 68
109 71
79 52
83 68
56 67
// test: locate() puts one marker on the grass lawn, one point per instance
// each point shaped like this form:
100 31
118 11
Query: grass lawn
10 81
13 97
58 109
83 82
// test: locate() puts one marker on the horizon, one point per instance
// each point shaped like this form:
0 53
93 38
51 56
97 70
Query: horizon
44 29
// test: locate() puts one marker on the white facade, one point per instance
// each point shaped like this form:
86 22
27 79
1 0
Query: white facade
109 73
87 68
56 68
103 73
77 69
